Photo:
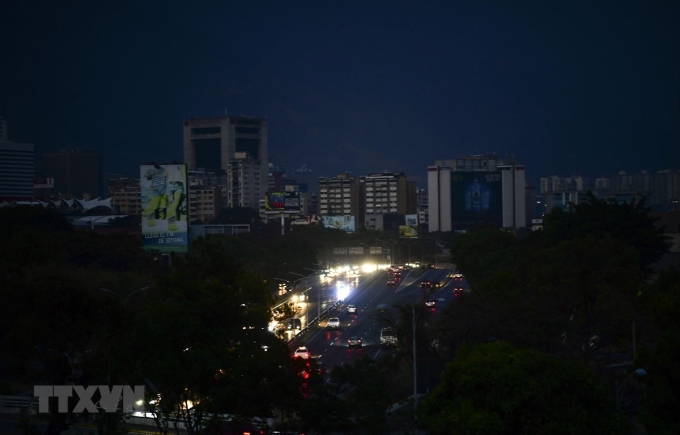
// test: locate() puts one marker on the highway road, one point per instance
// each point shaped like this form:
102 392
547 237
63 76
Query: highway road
330 346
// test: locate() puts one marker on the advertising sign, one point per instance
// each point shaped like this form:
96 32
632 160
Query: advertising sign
164 207
357 250
410 230
476 197
282 202
345 223
412 220
375 250
310 219
340 251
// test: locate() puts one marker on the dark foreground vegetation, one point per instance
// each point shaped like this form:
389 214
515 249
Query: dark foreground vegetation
546 342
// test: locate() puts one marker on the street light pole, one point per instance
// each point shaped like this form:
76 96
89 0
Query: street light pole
303 292
318 296
415 377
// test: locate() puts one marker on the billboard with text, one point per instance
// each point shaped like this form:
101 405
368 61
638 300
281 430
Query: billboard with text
345 223
410 230
164 207
282 202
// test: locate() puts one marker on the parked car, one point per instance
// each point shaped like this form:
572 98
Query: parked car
354 342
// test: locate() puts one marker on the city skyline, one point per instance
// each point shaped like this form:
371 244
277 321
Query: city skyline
566 90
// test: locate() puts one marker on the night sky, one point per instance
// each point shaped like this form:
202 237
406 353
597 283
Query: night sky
567 87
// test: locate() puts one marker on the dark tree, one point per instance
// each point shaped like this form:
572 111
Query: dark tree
498 389
629 222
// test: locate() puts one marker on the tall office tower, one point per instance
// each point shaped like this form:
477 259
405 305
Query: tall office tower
339 196
231 144
388 192
76 173
3 129
17 171
476 190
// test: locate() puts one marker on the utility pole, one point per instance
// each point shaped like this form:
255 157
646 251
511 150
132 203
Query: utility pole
415 377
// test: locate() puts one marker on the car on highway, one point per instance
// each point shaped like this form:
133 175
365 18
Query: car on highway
333 323
425 284
388 336
302 352
430 303
294 324
354 342
352 309
390 282
457 290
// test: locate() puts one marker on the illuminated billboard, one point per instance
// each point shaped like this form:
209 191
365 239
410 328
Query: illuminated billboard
410 230
282 202
164 207
345 223
476 198
310 219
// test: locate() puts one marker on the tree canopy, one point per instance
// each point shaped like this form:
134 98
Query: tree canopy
495 388
629 222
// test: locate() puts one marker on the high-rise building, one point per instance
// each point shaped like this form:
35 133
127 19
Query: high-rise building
236 145
76 173
476 190
388 192
339 196
17 171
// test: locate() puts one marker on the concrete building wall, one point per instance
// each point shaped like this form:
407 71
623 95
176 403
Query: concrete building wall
17 170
